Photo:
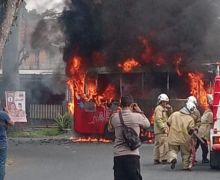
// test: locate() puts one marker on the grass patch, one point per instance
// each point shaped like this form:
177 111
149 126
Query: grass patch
35 133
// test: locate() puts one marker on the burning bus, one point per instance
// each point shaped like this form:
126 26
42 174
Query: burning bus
99 95
94 93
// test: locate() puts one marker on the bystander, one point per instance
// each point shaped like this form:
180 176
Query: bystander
5 121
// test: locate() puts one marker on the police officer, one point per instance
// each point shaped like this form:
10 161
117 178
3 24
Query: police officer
127 161
161 114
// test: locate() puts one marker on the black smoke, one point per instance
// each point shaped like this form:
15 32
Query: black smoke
114 28
82 26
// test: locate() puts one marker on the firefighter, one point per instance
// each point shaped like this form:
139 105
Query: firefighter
182 126
196 115
161 114
204 129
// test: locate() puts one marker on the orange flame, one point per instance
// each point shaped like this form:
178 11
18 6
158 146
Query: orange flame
129 64
74 65
70 104
91 88
107 95
197 88
71 107
76 80
110 92
149 55
77 75
85 87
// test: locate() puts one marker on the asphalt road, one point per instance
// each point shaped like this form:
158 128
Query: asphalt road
55 160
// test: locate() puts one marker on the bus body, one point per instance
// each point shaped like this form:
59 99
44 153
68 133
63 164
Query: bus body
90 119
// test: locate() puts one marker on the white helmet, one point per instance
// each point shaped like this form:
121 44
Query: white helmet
162 97
190 106
192 99
210 98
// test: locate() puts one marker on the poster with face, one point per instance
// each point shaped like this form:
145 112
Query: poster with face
15 103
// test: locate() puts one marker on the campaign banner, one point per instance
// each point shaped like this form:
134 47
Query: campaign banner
15 103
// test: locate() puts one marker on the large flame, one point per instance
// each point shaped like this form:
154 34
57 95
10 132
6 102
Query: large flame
76 80
70 104
149 55
129 65
85 87
197 88
107 96
91 88
77 75
110 92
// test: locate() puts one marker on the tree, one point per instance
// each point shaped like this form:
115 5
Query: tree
8 14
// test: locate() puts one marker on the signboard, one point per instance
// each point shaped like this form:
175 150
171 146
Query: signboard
15 103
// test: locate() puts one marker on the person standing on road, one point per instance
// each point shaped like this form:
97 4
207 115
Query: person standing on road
126 161
204 129
182 126
161 114
5 121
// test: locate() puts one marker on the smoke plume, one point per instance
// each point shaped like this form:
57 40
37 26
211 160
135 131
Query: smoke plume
116 29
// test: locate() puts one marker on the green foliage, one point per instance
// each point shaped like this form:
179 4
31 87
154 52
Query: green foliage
63 121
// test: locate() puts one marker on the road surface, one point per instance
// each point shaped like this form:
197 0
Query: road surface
61 160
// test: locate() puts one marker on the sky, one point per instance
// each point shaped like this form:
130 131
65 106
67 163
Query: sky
43 5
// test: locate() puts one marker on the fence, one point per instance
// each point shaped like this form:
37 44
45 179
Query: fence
40 116
45 111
